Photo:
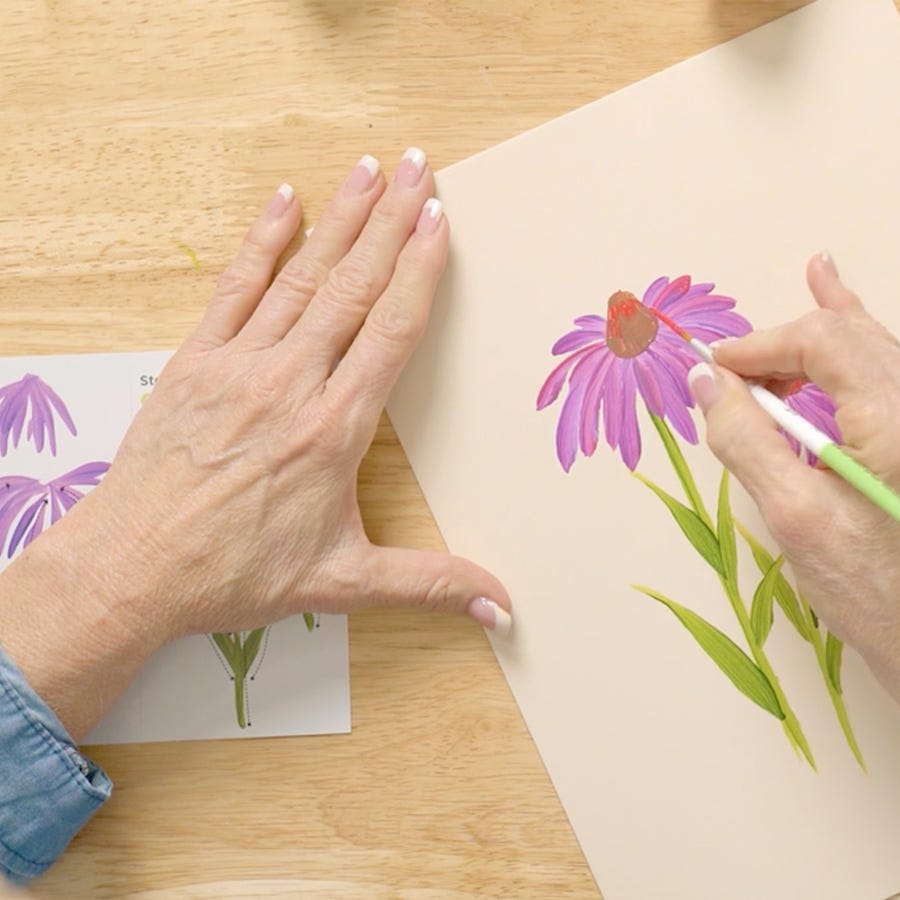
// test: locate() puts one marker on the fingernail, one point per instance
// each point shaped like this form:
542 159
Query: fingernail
411 167
309 231
827 261
488 614
281 201
704 387
363 175
430 217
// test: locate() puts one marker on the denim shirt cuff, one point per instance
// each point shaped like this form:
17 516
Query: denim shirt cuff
48 790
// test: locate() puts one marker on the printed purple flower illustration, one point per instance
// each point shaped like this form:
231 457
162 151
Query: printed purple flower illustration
811 402
31 395
610 361
27 503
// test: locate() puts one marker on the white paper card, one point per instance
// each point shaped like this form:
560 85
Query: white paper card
299 681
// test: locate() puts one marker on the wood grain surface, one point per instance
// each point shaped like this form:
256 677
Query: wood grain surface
137 141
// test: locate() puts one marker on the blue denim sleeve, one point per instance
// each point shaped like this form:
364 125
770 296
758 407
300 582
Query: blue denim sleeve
48 790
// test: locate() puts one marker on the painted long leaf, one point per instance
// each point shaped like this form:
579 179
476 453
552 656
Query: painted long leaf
725 532
744 674
834 652
763 600
784 593
310 620
693 527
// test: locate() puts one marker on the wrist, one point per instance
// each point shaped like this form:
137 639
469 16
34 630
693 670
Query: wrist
74 617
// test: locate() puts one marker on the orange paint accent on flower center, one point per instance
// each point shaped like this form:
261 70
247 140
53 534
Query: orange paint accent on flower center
794 386
630 327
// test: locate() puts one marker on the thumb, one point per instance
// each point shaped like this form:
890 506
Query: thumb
399 577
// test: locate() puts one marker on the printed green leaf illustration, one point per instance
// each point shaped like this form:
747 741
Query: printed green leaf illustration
745 675
239 652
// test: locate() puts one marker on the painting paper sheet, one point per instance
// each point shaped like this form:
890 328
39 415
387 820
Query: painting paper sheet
299 682
732 167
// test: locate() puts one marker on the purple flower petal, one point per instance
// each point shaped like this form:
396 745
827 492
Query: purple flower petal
630 438
569 418
653 292
576 339
811 402
612 404
591 322
41 423
651 392
589 428
674 290
557 378
60 407
36 508
32 394
87 473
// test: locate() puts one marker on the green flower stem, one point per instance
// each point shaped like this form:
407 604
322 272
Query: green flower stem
837 699
682 470
790 722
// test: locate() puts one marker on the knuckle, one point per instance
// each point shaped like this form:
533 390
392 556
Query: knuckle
238 279
439 595
303 278
326 431
354 279
394 321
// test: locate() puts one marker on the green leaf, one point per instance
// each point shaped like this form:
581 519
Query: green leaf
251 646
725 532
694 528
679 463
784 593
834 653
310 620
745 675
226 644
763 597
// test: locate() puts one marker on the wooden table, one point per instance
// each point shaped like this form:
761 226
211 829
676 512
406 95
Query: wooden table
138 137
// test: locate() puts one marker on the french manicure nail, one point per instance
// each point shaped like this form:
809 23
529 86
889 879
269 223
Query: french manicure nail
281 201
704 387
430 217
363 175
411 167
827 261
490 615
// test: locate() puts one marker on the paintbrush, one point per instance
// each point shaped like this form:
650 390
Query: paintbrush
815 441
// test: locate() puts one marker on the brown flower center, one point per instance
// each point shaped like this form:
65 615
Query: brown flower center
630 327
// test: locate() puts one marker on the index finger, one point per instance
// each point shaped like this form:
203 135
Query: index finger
844 354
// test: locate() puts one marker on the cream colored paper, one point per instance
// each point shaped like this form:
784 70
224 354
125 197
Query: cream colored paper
732 167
